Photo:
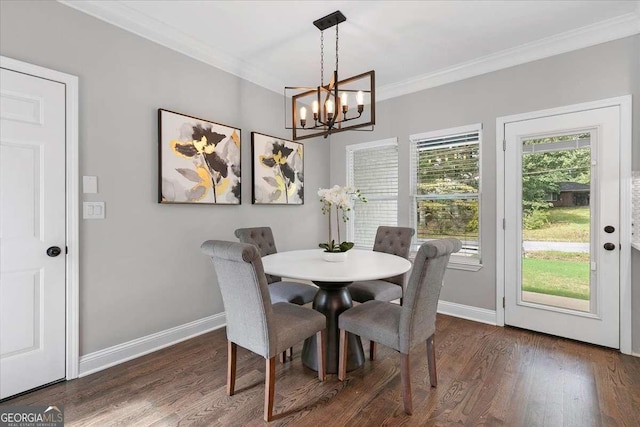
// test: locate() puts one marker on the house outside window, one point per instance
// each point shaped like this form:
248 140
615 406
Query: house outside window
372 168
446 189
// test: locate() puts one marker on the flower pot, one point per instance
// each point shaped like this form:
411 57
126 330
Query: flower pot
334 256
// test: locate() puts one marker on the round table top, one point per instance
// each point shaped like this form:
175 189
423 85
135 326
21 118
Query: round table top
360 265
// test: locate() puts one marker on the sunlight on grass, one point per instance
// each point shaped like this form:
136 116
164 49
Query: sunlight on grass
556 277
558 255
565 225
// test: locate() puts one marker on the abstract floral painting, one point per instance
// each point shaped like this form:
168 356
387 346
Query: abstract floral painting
278 170
199 160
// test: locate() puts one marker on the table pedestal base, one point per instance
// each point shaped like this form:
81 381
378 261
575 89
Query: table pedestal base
332 299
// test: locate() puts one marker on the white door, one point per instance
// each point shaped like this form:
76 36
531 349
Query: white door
32 226
562 225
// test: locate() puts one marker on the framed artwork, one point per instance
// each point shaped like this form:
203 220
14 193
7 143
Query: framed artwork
278 170
200 160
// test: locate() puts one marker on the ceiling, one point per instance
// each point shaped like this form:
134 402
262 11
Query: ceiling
412 45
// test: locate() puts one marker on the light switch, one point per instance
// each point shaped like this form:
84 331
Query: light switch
89 184
93 210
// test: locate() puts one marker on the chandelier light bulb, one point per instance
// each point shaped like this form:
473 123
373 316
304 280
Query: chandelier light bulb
303 117
329 107
360 101
344 101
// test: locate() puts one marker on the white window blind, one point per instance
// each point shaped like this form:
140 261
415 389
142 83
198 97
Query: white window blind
373 169
446 188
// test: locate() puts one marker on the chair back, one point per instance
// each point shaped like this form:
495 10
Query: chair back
245 294
420 302
262 238
395 241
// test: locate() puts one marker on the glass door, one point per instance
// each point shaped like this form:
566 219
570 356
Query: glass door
562 225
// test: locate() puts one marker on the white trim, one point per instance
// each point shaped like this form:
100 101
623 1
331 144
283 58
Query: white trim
459 130
372 144
635 354
468 312
72 207
129 19
624 102
611 29
500 218
626 302
108 357
121 15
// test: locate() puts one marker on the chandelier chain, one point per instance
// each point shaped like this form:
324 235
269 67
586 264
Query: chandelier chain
321 58
337 49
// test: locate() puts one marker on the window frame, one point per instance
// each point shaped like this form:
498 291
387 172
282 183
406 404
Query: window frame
456 261
350 149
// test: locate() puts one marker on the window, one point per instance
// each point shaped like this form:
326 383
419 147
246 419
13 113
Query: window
551 197
446 188
373 169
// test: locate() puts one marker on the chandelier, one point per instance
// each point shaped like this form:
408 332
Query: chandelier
337 106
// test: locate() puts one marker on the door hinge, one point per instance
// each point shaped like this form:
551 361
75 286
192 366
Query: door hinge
504 145
504 223
66 250
503 304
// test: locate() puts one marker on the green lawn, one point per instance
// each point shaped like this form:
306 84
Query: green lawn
550 274
565 225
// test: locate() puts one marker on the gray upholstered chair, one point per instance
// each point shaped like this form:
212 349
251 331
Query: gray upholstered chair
281 291
402 326
252 321
391 240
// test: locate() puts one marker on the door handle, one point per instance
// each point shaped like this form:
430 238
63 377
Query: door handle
609 246
54 251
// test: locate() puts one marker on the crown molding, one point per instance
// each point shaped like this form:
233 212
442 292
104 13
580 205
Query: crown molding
129 19
133 21
590 35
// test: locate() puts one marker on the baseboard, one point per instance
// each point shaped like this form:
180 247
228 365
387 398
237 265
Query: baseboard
468 312
635 354
108 357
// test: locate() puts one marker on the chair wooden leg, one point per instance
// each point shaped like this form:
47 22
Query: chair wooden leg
286 355
372 350
431 360
342 356
405 375
320 348
269 388
231 367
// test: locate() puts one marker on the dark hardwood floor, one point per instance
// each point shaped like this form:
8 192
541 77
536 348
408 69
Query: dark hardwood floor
486 376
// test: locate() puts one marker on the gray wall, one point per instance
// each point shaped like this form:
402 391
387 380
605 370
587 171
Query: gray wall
141 268
602 71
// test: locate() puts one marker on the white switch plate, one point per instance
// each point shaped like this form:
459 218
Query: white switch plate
89 184
93 210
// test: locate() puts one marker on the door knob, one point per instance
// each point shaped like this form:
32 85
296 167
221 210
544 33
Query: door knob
609 246
54 251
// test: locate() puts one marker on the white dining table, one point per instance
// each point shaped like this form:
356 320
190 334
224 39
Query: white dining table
332 298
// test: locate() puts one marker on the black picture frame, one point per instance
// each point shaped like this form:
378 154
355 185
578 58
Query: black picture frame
199 161
277 167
